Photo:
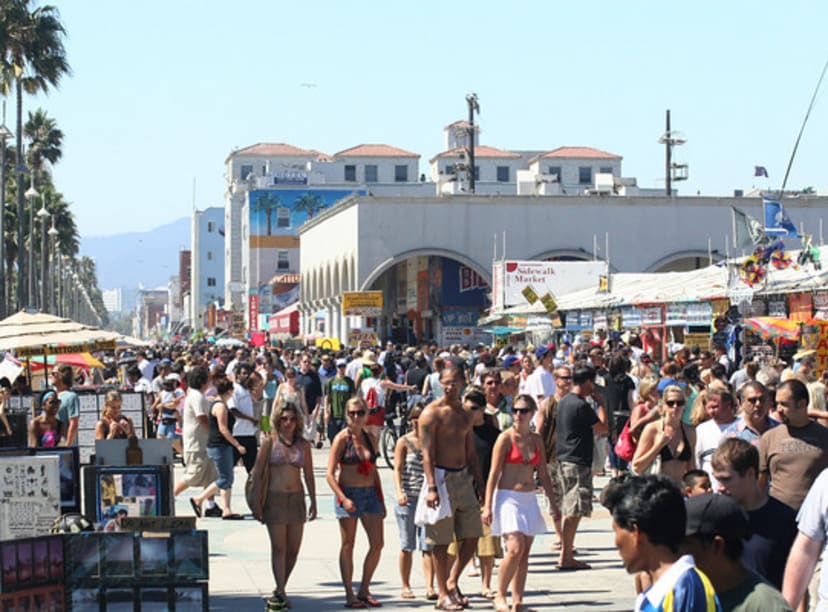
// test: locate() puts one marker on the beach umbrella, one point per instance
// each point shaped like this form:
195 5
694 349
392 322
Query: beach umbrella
773 327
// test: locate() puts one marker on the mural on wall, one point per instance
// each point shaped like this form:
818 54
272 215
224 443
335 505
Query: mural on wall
280 212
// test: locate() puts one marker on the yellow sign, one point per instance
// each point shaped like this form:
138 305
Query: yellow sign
530 295
362 304
549 302
363 338
603 283
69 349
328 344
701 340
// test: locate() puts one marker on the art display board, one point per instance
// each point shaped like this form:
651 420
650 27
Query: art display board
137 570
31 562
68 471
91 407
112 492
156 451
29 495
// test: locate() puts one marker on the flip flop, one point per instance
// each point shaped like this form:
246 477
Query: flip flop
196 507
432 596
578 565
488 594
408 594
356 604
232 517
458 597
448 604
370 601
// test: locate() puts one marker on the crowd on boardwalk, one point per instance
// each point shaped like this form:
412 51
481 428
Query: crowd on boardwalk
717 497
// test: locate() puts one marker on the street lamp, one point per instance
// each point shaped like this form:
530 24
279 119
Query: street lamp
31 193
5 134
53 234
44 277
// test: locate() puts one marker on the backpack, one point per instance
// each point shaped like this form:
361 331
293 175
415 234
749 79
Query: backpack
371 398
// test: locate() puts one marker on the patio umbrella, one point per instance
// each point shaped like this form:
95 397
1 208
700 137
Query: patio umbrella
41 330
772 327
79 360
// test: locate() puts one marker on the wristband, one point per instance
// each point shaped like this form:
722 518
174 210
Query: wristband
432 488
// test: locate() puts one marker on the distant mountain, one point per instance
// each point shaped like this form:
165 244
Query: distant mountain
147 258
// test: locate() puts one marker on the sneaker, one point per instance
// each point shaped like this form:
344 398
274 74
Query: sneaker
214 512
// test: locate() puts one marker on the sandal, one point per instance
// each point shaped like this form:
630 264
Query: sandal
355 604
432 595
488 593
370 600
501 607
196 507
458 597
448 604
408 594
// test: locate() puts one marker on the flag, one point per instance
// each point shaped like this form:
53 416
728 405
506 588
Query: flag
777 221
760 171
747 230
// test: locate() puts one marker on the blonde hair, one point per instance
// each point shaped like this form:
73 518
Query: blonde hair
648 384
355 402
699 413
109 398
276 419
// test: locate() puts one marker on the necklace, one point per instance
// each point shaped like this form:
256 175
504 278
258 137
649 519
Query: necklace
283 441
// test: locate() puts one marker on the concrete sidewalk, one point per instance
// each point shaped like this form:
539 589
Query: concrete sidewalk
241 578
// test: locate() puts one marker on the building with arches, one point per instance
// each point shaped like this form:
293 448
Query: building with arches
394 244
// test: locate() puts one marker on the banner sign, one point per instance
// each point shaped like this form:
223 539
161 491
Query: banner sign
69 349
524 282
362 304
363 338
651 315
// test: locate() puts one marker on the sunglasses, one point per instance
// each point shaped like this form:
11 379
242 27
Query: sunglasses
356 413
522 410
475 406
287 417
564 377
674 403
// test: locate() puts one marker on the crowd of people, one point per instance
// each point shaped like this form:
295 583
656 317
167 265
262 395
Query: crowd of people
489 428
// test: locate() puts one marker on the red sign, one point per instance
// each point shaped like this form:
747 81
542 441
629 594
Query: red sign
800 306
254 312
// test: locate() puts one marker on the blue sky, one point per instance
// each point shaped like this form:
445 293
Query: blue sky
162 91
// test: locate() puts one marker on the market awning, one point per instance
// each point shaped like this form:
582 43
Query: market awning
772 327
501 330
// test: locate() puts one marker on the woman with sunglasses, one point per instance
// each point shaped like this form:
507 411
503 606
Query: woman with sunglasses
44 430
666 445
289 393
408 477
358 497
113 425
284 459
511 507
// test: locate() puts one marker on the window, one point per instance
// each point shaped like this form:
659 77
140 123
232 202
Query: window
503 174
605 170
584 175
282 217
370 173
246 171
211 227
350 173
450 169
211 281
209 255
477 173
401 174
283 261
556 170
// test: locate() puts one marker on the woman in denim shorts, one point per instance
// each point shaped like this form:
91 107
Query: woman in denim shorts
358 497
408 476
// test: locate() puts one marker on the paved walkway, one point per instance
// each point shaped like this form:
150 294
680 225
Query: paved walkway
240 575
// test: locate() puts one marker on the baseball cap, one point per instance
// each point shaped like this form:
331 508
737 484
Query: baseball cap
541 352
510 360
714 514
341 362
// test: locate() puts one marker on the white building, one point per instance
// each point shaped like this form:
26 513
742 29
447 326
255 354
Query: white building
208 262
112 299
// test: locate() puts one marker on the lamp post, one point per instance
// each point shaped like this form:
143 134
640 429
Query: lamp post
53 234
5 134
44 247
29 296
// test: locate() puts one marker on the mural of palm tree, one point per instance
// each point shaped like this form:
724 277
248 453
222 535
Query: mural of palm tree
310 203
267 203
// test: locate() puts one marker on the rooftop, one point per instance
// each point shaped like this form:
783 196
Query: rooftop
577 153
375 150
275 149
480 151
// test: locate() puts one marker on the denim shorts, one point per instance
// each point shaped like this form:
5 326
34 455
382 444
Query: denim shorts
222 456
168 431
365 499
410 534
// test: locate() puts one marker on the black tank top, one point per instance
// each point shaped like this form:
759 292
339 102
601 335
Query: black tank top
214 438
684 455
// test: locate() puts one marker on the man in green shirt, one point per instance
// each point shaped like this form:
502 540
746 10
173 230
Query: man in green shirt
338 390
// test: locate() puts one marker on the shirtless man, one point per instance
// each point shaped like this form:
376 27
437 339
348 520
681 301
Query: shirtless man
443 424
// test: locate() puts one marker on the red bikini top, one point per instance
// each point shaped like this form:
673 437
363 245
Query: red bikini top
515 456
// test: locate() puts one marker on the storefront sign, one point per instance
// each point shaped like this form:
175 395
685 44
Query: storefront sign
524 282
676 315
630 317
462 335
652 315
700 340
459 318
253 315
363 303
821 300
700 313
816 337
363 338
599 320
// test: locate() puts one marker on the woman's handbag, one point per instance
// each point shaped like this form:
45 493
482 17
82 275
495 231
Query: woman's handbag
256 497
624 445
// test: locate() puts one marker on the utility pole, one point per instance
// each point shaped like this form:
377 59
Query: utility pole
669 158
672 172
473 107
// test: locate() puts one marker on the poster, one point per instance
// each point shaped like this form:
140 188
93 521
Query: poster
29 495
362 304
525 280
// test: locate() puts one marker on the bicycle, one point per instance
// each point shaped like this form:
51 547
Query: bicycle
391 432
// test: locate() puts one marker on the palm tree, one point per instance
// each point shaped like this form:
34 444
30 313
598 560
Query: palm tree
267 203
310 203
45 140
33 60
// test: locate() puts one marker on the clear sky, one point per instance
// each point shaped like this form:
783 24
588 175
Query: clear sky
162 91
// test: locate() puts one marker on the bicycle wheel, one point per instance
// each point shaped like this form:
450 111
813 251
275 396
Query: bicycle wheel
388 442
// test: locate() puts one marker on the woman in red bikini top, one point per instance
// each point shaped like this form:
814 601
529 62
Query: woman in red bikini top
511 507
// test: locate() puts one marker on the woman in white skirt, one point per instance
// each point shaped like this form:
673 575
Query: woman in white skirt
511 504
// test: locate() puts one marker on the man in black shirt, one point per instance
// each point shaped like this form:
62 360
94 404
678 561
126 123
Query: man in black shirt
308 379
415 376
576 423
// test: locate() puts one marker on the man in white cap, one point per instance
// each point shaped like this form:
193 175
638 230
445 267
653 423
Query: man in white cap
541 382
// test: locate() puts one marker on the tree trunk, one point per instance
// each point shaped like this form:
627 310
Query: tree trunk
22 298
